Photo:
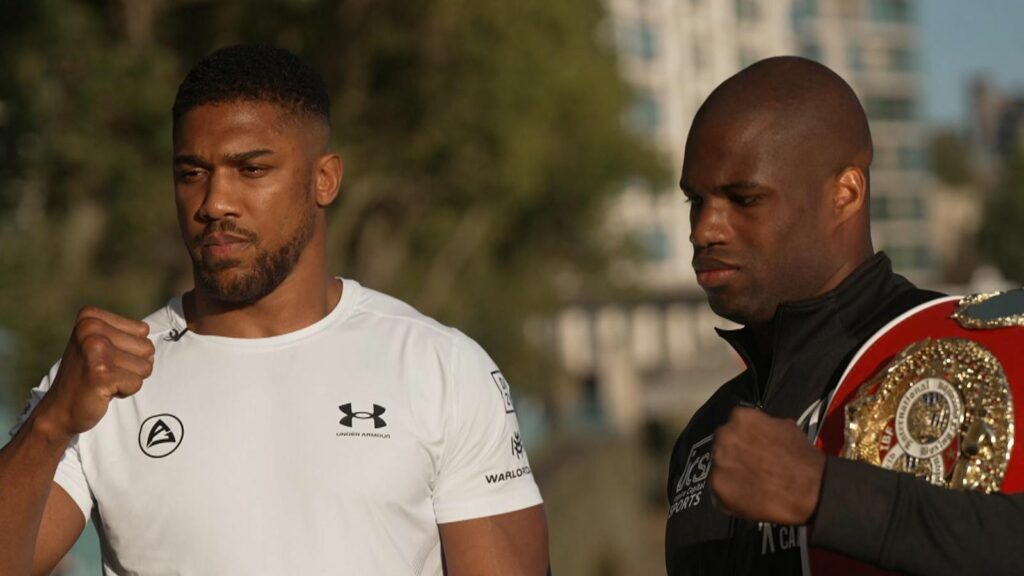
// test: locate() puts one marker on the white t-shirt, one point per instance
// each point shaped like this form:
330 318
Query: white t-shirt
335 449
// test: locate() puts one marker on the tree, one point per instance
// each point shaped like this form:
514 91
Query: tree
85 209
950 159
1002 233
481 141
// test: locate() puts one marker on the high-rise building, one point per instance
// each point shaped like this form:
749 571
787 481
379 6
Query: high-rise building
674 52
873 44
657 356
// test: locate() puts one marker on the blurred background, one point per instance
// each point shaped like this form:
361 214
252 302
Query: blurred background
510 169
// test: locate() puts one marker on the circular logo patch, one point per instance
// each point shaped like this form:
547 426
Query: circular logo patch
928 417
160 435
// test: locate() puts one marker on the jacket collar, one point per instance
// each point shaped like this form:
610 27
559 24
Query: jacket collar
832 315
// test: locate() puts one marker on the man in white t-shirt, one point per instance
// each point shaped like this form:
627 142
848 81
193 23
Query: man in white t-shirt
275 419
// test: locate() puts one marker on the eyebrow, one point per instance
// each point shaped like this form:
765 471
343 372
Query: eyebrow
240 157
737 186
235 158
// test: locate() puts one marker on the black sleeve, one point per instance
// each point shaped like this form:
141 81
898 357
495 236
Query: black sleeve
900 522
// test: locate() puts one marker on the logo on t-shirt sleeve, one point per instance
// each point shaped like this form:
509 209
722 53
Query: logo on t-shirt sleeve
517 445
504 390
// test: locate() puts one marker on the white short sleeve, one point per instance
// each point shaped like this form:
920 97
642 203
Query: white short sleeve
70 475
484 469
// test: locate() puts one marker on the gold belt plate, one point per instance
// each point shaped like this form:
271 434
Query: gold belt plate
941 410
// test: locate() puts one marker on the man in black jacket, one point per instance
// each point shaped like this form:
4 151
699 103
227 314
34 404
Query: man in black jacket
776 171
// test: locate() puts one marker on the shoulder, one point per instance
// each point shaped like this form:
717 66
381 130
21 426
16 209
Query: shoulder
375 311
166 321
904 297
373 306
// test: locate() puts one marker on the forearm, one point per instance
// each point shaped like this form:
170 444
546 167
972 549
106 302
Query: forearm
512 544
903 523
27 467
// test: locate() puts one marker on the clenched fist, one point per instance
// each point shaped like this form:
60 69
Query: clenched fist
764 468
107 357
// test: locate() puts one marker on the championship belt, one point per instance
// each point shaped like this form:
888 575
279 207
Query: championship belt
934 394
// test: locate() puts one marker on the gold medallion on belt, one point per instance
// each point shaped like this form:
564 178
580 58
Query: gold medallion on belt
941 409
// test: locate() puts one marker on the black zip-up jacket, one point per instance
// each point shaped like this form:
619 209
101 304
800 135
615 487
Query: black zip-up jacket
888 519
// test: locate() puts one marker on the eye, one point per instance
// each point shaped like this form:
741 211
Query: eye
253 171
693 199
189 175
745 200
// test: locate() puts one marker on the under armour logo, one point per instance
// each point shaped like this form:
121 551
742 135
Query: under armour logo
378 422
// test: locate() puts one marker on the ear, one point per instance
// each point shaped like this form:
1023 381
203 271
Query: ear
850 194
328 178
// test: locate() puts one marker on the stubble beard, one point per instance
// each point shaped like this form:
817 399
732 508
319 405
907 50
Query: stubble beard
269 268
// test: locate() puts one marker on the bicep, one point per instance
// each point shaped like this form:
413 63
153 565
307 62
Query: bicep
60 528
512 544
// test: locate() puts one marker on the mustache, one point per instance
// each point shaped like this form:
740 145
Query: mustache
225 227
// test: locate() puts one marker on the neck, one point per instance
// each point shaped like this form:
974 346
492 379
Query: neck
763 335
847 266
306 296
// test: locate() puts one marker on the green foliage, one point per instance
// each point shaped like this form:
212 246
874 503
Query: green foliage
480 139
86 211
1001 234
950 159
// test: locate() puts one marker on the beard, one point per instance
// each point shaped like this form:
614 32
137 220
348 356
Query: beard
269 269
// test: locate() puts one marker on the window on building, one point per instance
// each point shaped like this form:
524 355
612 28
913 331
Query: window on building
902 60
804 9
889 108
648 45
810 50
913 159
748 10
879 206
917 207
645 114
899 207
892 10
656 244
915 257
637 39
855 57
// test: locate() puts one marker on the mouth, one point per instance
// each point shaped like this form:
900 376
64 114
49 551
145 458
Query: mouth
713 273
223 246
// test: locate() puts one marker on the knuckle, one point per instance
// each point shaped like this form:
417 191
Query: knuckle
88 325
95 346
98 368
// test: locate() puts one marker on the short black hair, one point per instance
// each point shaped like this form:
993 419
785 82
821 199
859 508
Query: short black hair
257 73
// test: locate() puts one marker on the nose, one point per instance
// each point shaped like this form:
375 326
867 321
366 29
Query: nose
220 200
709 222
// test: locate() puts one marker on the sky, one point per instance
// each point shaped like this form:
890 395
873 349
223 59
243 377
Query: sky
962 38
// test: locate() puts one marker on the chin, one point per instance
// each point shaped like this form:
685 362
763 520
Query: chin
231 286
737 312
